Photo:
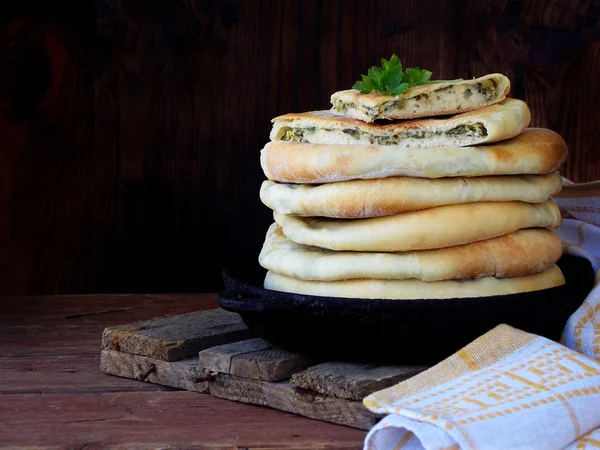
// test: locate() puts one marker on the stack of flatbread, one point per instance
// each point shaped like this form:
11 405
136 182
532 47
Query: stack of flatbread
440 192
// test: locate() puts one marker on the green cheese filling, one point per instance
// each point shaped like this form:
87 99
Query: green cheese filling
476 129
297 134
486 88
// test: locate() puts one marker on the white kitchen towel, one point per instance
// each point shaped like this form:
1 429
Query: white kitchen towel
580 234
509 389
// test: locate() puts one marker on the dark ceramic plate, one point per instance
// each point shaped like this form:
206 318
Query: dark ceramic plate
395 331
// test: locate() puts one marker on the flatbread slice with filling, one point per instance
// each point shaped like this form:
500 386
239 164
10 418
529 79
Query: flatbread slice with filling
428 100
417 289
443 226
494 123
524 252
359 199
535 151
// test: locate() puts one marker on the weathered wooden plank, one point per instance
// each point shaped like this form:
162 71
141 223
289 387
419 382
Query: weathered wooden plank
47 363
281 395
167 419
181 374
271 364
219 357
176 337
252 358
350 380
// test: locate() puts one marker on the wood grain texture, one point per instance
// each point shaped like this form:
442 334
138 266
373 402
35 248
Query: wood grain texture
178 420
97 311
130 131
183 374
176 337
50 373
252 358
53 394
281 395
349 380
250 371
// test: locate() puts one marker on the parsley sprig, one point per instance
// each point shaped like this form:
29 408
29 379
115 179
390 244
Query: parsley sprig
390 79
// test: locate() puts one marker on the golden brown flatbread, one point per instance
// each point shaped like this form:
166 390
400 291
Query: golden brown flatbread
417 289
443 226
427 100
493 123
535 151
358 199
524 252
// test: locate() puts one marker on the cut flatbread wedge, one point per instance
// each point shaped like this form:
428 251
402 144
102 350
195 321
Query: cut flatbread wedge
417 289
440 227
535 151
524 252
427 100
493 123
359 199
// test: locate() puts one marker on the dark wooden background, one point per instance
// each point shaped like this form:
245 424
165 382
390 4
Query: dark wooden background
130 130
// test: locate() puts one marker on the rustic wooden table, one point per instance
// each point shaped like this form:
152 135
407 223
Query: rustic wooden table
52 393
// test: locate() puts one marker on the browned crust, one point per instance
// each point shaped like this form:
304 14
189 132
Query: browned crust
376 99
325 118
373 198
421 230
417 289
292 162
524 252
512 254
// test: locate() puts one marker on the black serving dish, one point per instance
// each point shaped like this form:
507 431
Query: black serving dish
395 331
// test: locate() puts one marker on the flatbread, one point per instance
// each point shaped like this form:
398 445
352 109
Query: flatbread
417 289
524 252
440 227
428 100
535 151
493 123
359 199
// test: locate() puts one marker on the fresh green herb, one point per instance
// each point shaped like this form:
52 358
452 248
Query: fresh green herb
390 79
414 76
